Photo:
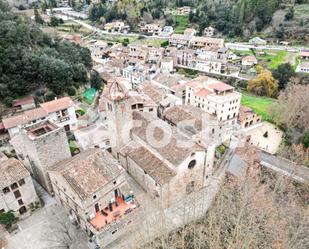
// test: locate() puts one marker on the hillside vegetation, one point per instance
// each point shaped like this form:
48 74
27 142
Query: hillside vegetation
232 18
32 60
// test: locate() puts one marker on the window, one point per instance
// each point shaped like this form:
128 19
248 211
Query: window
94 197
150 109
14 186
20 202
21 182
23 210
192 164
115 231
115 182
6 190
17 194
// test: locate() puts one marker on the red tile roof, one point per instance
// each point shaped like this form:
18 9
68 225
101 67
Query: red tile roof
23 101
24 118
57 104
203 92
304 53
220 86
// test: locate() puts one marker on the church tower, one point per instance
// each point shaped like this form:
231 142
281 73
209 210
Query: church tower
119 115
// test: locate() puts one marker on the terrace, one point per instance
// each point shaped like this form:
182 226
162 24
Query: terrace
113 212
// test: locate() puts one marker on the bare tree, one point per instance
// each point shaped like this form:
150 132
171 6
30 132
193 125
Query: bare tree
63 234
292 109
269 213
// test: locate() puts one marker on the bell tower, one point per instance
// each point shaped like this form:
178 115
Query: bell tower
119 115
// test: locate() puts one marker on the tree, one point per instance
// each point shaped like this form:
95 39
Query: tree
283 74
292 109
8 218
306 139
95 80
38 19
264 84
54 21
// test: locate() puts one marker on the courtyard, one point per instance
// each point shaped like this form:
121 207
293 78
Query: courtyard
266 136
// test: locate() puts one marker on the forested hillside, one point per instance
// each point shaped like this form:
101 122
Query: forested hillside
32 60
233 18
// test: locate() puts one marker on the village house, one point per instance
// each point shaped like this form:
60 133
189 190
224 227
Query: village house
183 11
39 147
93 189
303 67
200 42
16 187
249 61
190 32
214 97
179 40
204 60
209 31
24 103
257 41
247 117
167 65
167 31
59 111
304 54
117 26
151 29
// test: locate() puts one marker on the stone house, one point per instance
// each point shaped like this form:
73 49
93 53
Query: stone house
16 187
39 147
93 188
200 42
249 60
247 117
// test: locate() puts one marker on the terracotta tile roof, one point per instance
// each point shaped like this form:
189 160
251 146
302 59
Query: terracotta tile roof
57 104
89 171
154 93
220 86
304 53
150 163
203 93
172 151
23 101
12 171
24 118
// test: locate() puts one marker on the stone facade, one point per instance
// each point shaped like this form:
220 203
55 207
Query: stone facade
38 153
16 187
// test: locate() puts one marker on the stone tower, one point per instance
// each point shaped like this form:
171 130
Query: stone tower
119 115
39 147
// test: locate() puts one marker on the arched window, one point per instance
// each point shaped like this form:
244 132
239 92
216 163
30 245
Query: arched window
192 164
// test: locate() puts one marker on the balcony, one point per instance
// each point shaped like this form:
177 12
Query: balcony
114 212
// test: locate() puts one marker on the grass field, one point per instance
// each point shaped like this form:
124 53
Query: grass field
273 61
258 104
182 23
152 42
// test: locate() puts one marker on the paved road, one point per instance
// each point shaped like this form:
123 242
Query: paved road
286 167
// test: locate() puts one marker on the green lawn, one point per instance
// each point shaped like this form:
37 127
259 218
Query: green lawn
182 23
274 59
258 104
